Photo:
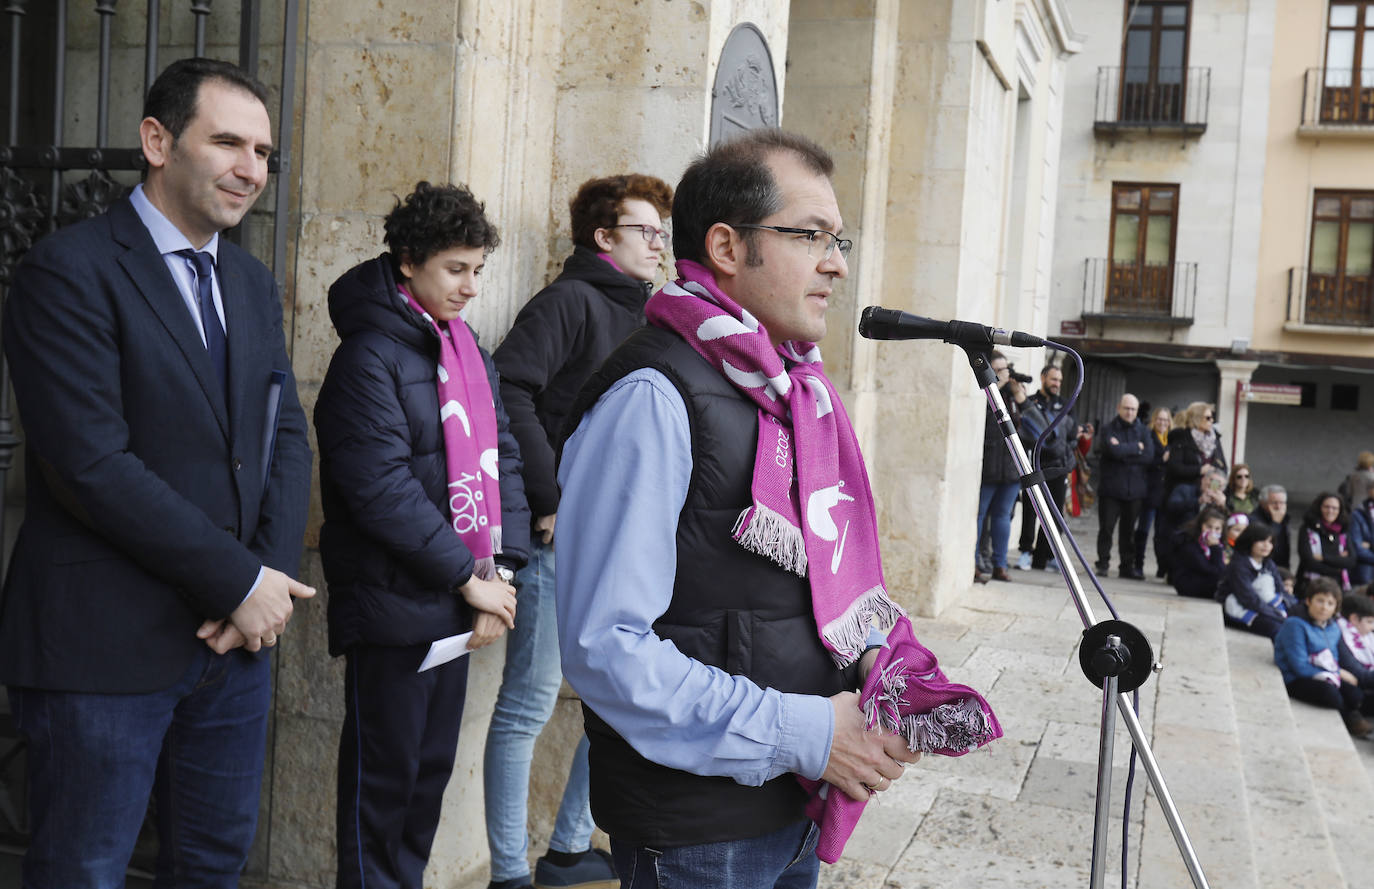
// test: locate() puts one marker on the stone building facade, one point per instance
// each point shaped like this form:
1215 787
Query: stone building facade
944 118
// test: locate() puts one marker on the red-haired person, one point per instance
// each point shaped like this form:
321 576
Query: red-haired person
561 335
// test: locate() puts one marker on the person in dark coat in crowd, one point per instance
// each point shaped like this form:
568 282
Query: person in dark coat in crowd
559 338
1273 511
1362 536
425 522
1324 548
1001 480
1160 421
1251 591
1127 449
1352 489
1056 459
1193 444
1199 558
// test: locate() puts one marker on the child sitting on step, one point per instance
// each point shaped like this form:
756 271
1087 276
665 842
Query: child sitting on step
1357 642
1306 652
1251 592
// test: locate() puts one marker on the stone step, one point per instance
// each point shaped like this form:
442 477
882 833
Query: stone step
1286 811
1200 753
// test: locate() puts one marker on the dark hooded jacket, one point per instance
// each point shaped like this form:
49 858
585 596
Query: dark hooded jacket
391 558
559 338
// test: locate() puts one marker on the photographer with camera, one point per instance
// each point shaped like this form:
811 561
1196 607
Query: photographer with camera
1056 459
1001 478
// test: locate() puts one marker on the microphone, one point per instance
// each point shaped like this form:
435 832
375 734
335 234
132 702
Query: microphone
877 323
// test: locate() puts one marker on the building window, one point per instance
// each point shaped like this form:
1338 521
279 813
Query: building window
1345 397
1348 79
1140 266
1154 61
1342 256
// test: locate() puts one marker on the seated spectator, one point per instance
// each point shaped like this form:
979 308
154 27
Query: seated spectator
1236 523
1357 482
1323 545
1362 538
1288 582
1198 561
1273 511
1357 643
1252 591
1184 503
1306 652
1240 490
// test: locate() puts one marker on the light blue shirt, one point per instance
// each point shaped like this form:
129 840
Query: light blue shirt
624 476
169 239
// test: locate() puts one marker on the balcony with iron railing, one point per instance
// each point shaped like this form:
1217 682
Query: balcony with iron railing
1342 303
1338 102
1150 293
1163 100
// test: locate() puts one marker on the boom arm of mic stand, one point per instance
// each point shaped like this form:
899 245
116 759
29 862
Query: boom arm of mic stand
980 361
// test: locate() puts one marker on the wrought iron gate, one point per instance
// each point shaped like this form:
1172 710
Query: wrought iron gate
41 187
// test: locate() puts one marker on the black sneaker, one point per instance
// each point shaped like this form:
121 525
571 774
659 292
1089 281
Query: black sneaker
593 870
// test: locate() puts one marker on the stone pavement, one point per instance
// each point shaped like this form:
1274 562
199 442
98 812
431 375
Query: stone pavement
1019 814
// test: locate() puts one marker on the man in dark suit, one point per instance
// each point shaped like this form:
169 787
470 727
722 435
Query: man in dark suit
164 514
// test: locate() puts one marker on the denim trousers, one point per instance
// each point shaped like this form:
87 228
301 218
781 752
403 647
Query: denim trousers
95 759
783 859
997 501
529 691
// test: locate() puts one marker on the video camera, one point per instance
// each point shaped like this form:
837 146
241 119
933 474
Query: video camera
1020 378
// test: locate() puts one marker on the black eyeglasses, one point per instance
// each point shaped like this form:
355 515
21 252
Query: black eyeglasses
648 231
814 236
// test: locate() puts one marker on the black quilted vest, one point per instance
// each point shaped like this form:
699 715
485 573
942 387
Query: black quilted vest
730 609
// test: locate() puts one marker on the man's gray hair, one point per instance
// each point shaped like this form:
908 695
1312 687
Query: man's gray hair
1272 489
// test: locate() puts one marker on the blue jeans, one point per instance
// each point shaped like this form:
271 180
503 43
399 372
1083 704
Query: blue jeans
529 691
998 499
94 759
784 859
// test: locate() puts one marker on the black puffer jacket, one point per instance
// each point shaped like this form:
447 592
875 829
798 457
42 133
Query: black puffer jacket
1184 461
390 556
1122 475
559 338
998 466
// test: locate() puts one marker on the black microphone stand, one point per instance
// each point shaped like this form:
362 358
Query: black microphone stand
1114 655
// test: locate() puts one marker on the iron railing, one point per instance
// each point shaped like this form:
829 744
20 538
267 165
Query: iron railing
1336 300
1161 293
41 189
1166 99
1338 97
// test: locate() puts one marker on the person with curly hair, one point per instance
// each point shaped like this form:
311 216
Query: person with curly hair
425 522
559 338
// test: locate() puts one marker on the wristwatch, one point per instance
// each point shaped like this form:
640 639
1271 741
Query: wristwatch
505 574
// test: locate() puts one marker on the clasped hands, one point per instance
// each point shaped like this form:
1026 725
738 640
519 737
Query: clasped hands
257 622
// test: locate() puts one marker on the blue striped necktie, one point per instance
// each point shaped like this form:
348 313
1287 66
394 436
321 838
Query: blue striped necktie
209 318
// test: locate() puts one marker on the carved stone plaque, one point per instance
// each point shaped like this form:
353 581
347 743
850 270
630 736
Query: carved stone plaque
745 94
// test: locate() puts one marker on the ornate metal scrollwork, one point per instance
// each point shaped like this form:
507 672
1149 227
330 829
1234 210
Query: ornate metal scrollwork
21 220
89 197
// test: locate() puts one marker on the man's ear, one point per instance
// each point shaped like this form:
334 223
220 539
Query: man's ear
725 250
156 141
602 238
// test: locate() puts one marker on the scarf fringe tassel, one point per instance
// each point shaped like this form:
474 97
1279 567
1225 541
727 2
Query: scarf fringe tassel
950 729
769 534
847 634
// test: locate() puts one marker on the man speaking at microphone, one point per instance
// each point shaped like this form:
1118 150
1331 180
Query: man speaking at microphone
711 617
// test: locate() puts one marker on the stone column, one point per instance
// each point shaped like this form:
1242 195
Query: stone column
1232 413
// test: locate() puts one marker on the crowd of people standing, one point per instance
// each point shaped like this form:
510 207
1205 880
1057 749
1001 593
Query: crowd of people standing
1218 535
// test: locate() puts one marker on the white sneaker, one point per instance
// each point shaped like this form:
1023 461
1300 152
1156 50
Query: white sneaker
1024 563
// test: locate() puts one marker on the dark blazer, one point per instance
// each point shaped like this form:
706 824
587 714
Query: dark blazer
146 511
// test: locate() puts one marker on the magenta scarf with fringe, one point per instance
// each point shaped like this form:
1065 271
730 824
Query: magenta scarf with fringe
467 415
804 433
